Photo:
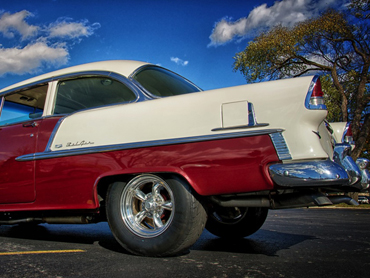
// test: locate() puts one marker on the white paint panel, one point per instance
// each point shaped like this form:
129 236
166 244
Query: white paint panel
279 103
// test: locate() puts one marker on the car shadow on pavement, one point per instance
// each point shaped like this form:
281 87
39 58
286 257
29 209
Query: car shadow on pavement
59 233
84 234
263 242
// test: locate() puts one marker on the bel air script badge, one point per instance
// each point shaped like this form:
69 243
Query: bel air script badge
79 143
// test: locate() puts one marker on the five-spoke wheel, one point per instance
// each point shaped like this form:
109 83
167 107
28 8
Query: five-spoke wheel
154 215
147 206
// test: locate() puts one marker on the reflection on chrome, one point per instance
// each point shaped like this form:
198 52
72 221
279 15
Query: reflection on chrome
342 156
312 173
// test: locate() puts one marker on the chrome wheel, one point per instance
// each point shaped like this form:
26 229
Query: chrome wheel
147 206
154 215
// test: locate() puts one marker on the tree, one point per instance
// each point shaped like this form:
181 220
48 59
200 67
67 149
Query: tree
335 44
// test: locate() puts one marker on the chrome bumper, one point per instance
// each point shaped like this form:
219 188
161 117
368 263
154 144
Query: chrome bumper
362 164
342 172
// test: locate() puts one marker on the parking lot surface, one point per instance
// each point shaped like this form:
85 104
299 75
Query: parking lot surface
292 243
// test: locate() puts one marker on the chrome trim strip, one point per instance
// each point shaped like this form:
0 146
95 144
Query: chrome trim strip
280 145
238 127
47 154
251 114
52 135
2 105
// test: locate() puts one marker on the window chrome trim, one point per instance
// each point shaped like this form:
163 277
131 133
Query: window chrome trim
75 75
27 86
47 154
148 93
107 74
2 105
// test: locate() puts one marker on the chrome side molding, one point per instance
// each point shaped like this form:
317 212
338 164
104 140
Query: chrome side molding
280 145
48 153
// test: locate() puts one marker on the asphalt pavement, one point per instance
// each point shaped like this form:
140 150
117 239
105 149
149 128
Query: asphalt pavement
292 243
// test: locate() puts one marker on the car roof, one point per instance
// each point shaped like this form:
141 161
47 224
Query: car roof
123 67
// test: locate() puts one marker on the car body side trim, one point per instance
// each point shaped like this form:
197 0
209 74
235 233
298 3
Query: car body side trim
47 154
280 146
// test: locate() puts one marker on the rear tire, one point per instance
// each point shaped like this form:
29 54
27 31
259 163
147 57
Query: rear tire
235 222
151 216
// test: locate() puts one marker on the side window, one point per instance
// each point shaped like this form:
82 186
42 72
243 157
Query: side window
23 105
90 92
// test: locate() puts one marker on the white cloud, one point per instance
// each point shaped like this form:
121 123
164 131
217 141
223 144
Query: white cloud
30 58
66 29
37 46
285 12
179 61
10 24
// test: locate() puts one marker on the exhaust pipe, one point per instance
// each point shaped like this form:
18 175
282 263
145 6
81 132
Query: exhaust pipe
292 200
51 220
343 199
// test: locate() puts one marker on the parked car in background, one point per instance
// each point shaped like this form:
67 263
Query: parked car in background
148 151
363 200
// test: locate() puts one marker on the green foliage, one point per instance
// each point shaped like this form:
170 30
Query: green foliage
335 44
283 51
332 99
360 8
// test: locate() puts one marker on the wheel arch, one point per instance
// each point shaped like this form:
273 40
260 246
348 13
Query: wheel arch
102 184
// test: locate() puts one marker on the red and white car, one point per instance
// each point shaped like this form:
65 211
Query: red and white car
146 150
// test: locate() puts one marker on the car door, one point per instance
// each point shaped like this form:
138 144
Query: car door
21 114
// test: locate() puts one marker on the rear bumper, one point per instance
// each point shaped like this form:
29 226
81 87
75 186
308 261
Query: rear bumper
343 172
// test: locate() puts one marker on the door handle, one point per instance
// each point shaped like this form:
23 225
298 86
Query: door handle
30 124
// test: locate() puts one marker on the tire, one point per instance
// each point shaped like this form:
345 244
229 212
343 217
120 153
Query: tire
235 222
151 216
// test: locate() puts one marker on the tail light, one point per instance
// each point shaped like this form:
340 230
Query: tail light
315 95
348 137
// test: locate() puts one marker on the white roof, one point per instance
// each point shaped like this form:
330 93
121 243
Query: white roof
123 67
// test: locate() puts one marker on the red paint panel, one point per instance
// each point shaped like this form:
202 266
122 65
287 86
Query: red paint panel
17 178
45 130
212 168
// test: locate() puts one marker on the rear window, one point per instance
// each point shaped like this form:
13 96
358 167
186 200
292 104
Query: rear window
163 83
89 92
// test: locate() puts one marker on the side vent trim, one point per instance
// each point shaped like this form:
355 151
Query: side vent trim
280 146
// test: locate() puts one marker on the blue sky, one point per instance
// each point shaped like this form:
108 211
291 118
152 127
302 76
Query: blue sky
197 39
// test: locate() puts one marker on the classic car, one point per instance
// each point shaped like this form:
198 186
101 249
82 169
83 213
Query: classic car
159 159
363 200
